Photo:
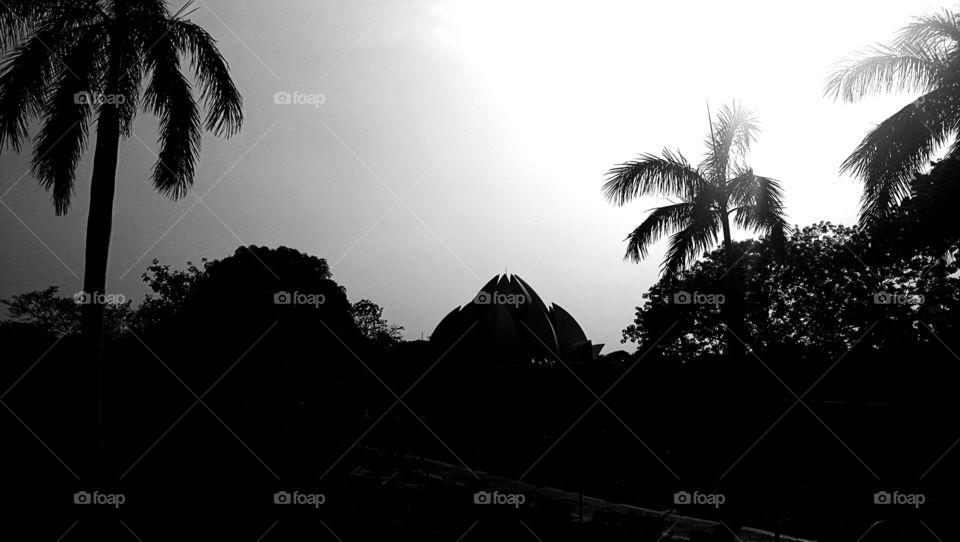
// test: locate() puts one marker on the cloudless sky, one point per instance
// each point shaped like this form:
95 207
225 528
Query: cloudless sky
459 139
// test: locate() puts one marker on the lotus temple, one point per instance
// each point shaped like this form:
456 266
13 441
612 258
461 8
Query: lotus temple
507 322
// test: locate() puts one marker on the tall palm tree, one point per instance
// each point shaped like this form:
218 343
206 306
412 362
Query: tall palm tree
720 187
923 58
67 61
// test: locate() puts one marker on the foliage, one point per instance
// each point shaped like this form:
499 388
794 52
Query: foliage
369 319
823 298
723 185
171 289
923 58
223 296
67 59
56 315
924 222
688 330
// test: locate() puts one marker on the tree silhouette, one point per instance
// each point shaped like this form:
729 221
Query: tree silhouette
59 316
68 60
923 58
721 186
369 319
834 284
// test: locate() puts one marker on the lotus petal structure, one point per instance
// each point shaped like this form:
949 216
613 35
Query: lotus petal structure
508 322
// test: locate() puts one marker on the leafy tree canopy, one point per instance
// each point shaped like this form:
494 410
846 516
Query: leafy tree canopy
369 318
832 287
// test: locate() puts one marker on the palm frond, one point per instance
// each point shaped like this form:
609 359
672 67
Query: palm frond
937 30
183 12
54 26
15 20
659 222
759 201
129 83
150 9
180 139
730 138
170 97
907 67
221 98
901 145
667 175
24 79
19 18
700 234
63 138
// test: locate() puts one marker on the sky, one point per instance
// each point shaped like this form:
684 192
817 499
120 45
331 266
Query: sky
432 144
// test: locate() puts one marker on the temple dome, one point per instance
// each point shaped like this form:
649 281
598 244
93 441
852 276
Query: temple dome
508 322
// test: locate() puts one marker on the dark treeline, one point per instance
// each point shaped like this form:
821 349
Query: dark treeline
300 383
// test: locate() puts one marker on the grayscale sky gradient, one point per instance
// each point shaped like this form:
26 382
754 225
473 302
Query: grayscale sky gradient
460 139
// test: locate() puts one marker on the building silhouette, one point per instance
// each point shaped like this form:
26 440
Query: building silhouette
507 322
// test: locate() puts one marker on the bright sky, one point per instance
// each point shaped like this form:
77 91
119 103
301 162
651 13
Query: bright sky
458 139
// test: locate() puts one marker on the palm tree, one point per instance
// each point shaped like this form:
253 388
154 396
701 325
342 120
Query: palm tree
68 60
721 186
923 58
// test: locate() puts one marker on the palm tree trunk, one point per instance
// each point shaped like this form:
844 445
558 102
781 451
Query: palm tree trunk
733 311
99 227
727 240
728 405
